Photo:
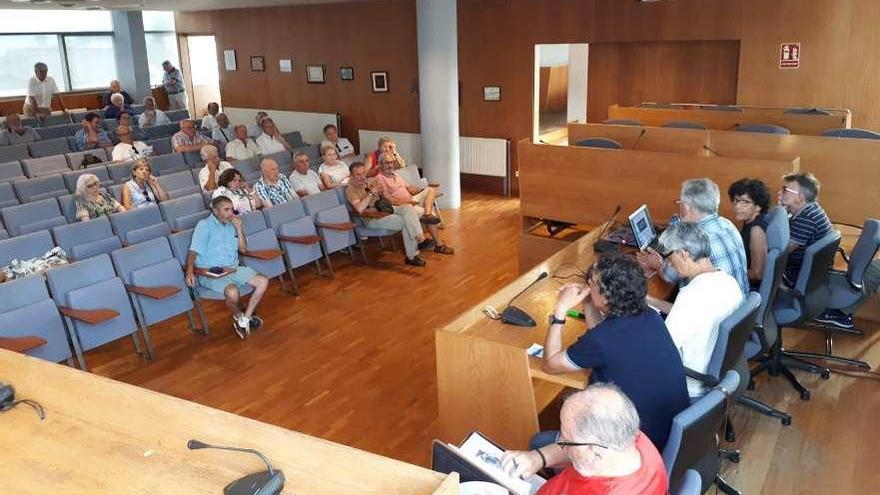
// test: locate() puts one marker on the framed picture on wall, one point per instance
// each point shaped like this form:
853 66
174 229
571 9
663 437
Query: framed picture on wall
380 81
346 73
315 74
229 60
285 65
491 93
258 64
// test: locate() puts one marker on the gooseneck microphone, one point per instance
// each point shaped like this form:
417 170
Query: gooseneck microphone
515 316
710 150
269 482
602 245
641 135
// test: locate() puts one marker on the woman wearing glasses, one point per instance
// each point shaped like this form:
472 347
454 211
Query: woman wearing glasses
92 202
232 185
143 188
751 202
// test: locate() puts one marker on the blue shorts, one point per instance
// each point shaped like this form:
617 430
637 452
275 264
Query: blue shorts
241 276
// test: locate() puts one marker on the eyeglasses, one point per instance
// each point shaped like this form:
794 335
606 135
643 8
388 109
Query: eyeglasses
563 445
785 189
742 202
93 184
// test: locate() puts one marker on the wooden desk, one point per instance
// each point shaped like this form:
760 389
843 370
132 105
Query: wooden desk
102 436
687 141
582 185
811 125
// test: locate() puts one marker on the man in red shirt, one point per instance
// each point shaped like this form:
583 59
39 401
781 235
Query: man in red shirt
600 449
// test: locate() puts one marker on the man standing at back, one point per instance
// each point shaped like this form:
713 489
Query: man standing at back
41 89
174 85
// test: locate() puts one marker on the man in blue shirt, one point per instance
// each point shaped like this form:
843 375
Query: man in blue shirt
92 135
213 256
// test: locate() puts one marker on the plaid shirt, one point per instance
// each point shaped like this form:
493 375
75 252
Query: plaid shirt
181 139
728 252
280 192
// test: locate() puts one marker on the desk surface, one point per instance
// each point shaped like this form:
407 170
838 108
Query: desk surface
103 436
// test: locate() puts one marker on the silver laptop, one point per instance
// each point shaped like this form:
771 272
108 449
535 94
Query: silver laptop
643 228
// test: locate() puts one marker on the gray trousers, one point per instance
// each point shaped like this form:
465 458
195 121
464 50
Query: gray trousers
406 220
177 101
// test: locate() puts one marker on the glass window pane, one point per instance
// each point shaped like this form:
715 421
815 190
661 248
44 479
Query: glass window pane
55 21
160 47
18 54
91 61
155 20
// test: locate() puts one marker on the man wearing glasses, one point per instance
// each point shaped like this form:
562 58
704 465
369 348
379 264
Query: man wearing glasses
600 449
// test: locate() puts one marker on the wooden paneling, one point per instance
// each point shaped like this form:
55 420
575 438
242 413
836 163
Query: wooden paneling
688 141
633 72
554 89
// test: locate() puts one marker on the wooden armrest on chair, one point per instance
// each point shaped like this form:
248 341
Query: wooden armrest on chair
370 214
90 316
300 239
21 344
159 292
337 226
264 254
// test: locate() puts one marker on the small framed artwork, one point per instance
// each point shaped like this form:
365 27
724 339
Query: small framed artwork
380 81
229 60
258 64
491 93
346 73
285 65
315 74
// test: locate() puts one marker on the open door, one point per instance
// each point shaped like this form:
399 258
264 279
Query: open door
198 56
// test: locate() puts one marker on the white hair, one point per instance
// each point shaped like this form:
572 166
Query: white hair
208 151
687 237
603 414
701 195
83 181
117 98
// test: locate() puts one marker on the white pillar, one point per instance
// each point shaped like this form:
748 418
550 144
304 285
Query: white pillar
131 53
438 96
578 54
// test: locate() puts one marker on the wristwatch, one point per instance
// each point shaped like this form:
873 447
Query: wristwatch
555 321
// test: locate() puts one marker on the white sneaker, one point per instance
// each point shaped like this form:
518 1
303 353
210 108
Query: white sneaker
242 326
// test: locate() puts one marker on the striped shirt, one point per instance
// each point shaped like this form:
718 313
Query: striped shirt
728 252
807 227
277 193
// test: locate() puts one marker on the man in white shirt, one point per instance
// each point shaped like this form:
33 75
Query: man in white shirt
210 173
344 148
710 296
209 121
305 181
128 149
223 132
271 140
256 128
242 147
40 91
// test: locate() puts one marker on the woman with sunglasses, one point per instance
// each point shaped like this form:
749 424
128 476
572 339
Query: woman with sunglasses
232 185
93 202
143 188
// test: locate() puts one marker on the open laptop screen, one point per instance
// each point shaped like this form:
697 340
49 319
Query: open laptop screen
642 227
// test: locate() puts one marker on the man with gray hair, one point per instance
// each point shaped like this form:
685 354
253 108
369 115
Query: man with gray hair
210 173
242 147
600 449
175 86
698 203
711 296
41 89
15 133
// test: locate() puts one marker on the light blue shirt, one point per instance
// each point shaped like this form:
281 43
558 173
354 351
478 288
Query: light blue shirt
215 243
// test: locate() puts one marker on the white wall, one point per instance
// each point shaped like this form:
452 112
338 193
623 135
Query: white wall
310 124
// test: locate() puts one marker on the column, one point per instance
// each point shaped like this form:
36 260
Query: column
438 96
132 67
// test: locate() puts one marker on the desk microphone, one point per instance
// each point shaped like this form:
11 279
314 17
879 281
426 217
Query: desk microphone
515 316
641 135
710 150
602 245
269 482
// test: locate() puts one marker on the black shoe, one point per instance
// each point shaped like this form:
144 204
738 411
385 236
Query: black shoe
416 261
256 322
427 244
430 219
836 318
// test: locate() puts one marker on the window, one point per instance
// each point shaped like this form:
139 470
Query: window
161 42
55 21
91 61
18 54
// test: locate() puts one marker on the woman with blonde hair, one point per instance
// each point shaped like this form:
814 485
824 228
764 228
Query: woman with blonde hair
334 172
93 202
143 188
385 145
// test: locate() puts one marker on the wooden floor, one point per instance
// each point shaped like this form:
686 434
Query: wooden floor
352 360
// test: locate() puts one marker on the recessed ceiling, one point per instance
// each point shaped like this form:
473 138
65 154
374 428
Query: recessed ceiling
153 4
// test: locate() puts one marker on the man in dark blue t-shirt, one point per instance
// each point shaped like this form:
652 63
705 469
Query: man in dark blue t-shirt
627 343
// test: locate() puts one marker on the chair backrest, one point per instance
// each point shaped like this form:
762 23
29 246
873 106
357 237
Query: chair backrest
14 152
11 171
110 125
75 158
599 142
253 222
294 138
851 133
733 332
177 115
806 111
161 146
762 129
693 441
283 213
53 120
812 282
177 180
47 165
184 213
192 158
57 146
55 131
162 131
180 243
690 484
83 240
284 160
39 188
863 252
167 164
684 124
774 266
249 168
146 221
7 195
31 217
67 203
623 122
25 247
120 173
100 172
314 203
27 310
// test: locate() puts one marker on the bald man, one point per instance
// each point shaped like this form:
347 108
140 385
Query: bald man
273 188
599 449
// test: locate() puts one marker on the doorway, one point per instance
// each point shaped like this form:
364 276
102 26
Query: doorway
560 89
200 56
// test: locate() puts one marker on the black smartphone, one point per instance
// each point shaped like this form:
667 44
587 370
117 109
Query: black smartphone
217 270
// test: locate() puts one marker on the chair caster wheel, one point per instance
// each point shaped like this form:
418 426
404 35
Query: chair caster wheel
786 421
805 395
734 458
730 437
825 374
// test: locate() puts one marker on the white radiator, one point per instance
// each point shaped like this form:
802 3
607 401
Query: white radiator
479 156
310 125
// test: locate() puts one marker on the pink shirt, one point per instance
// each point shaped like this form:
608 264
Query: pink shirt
394 188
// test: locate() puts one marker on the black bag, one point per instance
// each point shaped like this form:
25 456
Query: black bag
89 159
383 205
